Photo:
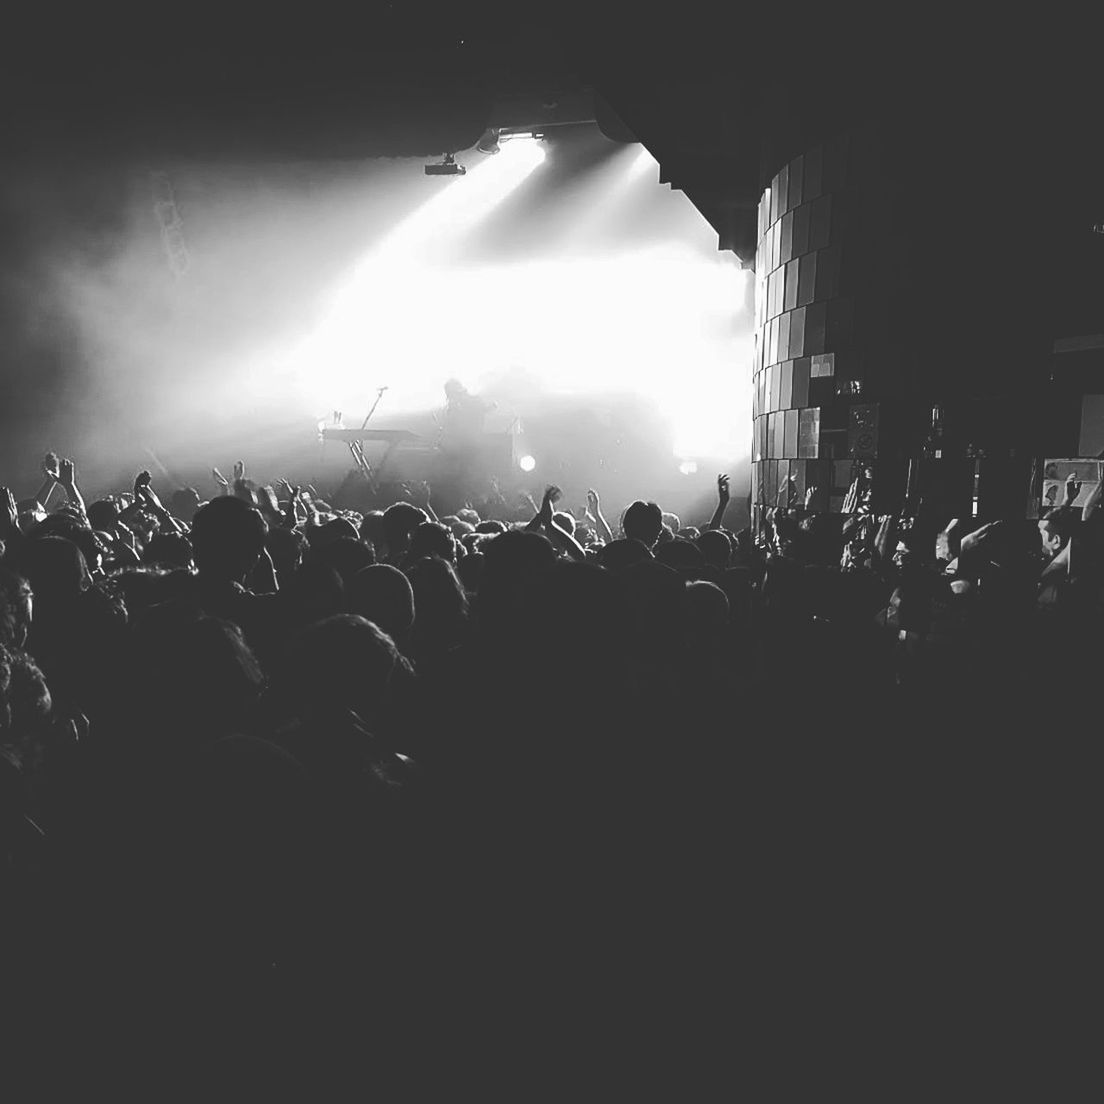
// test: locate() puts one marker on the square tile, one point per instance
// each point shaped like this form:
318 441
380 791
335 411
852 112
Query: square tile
806 279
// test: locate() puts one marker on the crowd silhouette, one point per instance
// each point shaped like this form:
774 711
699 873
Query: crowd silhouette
523 779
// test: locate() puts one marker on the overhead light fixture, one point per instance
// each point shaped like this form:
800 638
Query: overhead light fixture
509 134
489 142
448 167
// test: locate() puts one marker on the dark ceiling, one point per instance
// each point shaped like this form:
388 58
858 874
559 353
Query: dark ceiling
722 94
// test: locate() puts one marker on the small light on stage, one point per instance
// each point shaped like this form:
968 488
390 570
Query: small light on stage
527 463
688 467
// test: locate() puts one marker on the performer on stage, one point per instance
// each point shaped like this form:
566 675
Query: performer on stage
462 424
459 445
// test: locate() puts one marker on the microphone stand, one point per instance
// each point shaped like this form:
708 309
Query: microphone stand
357 449
379 395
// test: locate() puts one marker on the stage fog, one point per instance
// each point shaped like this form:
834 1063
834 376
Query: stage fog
181 316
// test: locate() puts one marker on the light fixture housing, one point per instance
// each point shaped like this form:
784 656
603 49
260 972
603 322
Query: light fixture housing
447 167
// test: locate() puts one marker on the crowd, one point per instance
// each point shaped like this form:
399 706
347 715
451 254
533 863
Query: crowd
501 778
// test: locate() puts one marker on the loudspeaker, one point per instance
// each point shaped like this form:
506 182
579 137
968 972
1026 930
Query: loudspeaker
862 431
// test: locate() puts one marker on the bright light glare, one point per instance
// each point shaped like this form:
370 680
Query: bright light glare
462 202
642 163
688 467
527 463
661 322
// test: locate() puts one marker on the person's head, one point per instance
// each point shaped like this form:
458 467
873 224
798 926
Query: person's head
458 528
672 521
315 591
682 555
472 518
438 594
344 662
338 529
184 503
470 571
383 595
398 524
706 610
431 538
716 548
371 528
16 607
565 521
201 673
454 390
510 561
1055 531
643 521
346 556
228 537
622 553
169 550
56 570
655 597
286 548
103 514
491 527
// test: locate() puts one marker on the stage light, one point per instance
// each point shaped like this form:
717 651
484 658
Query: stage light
688 467
489 142
448 167
527 463
528 135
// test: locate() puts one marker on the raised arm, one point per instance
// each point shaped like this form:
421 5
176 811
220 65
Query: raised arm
146 495
424 491
9 521
290 513
241 487
543 521
67 477
221 480
595 508
722 503
50 472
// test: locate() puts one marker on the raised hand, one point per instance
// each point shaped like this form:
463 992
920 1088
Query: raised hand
66 473
722 490
141 484
972 540
809 492
219 478
266 496
886 525
1073 489
239 470
9 511
551 496
943 542
50 465
851 499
